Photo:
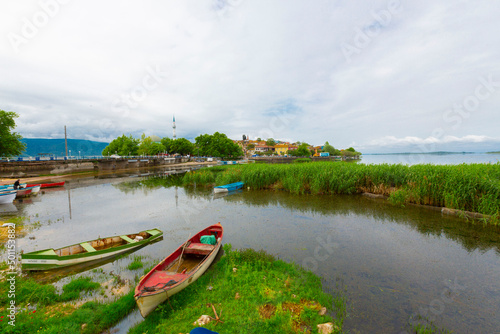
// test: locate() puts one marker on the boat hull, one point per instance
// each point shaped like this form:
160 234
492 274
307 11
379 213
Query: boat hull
47 259
228 187
148 301
147 304
7 198
48 185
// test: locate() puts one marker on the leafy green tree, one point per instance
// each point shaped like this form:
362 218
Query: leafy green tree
330 149
182 146
250 147
270 142
122 145
10 142
350 152
217 145
301 151
148 147
167 142
156 148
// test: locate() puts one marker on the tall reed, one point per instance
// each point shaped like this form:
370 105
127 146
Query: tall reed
470 187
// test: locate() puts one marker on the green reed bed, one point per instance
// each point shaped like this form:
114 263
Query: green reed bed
467 187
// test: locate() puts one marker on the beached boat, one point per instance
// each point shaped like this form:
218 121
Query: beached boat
48 185
228 187
23 192
11 186
87 251
7 197
179 269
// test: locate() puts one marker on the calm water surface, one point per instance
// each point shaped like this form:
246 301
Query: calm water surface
426 158
392 263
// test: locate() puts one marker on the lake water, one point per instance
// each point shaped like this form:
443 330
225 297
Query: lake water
392 263
435 158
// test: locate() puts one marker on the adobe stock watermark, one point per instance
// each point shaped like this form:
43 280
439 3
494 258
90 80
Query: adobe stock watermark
437 306
364 36
11 274
31 26
322 252
151 80
455 116
226 7
278 123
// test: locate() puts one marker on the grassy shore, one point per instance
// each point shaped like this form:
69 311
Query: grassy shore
41 309
251 292
466 187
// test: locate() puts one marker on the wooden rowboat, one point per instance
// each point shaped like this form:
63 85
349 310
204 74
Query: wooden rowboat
178 270
23 192
87 251
49 185
228 187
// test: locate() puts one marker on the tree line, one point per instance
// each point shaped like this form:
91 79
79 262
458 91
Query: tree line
216 145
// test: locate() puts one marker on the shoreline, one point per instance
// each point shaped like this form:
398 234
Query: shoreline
34 179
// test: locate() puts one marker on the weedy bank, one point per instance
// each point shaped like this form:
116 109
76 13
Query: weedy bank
466 187
249 292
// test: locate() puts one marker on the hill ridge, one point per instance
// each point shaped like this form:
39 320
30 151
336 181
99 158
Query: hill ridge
45 146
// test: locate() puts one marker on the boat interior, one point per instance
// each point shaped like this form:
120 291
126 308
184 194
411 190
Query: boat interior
186 261
101 244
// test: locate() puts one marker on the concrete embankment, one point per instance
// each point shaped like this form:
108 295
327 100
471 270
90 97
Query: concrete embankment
13 169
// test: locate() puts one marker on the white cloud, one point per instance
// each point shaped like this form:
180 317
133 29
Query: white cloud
252 67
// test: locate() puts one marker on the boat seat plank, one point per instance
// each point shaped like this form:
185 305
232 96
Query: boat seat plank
127 239
47 252
199 248
153 232
87 247
161 277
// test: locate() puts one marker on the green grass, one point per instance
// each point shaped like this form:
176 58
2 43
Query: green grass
273 297
73 289
136 263
50 316
467 187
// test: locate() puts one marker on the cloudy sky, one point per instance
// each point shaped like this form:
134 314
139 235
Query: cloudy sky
382 76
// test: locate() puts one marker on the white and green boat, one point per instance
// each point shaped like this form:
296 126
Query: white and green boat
93 250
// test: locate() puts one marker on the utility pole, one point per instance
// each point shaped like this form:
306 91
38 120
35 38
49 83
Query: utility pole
65 140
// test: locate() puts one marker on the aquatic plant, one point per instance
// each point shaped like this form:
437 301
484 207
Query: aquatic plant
467 187
136 263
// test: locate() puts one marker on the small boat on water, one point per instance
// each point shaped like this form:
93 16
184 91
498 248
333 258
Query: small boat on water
7 197
87 251
228 187
11 186
28 191
179 269
23 192
48 185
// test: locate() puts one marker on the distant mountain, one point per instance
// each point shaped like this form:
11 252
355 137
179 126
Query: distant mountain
39 146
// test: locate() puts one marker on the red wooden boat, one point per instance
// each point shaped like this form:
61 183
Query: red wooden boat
48 185
179 269
23 192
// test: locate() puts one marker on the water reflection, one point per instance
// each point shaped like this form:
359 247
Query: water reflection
394 262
